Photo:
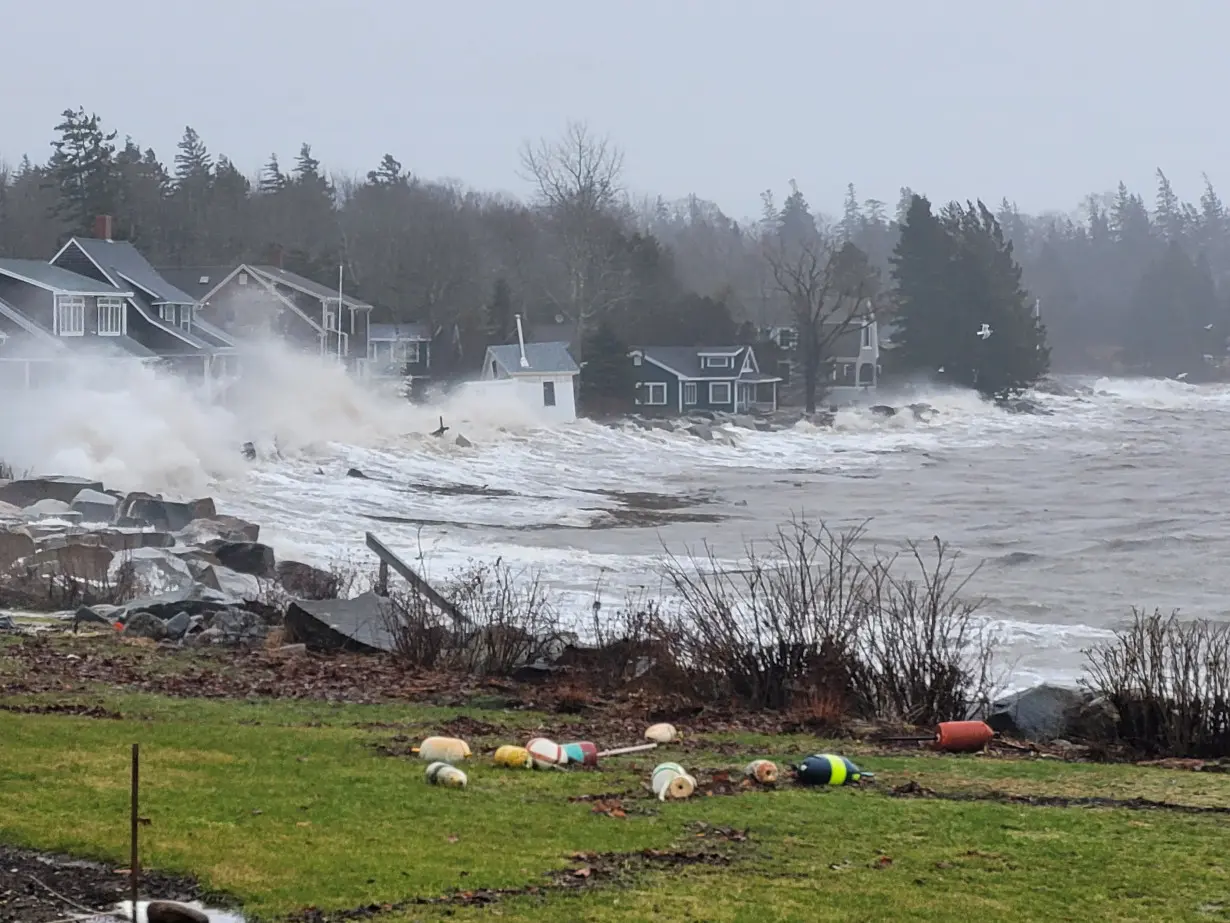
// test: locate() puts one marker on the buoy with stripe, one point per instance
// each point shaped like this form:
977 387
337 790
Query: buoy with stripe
670 780
446 774
583 752
546 754
827 769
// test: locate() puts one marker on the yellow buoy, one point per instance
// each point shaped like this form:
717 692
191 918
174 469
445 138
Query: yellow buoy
512 757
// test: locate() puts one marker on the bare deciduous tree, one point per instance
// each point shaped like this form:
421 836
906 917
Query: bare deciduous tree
577 180
828 287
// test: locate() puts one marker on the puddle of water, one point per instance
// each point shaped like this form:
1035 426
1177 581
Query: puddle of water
123 914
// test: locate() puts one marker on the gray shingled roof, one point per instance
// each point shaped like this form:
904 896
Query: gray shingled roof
188 278
120 259
62 280
306 285
685 360
397 332
17 320
544 358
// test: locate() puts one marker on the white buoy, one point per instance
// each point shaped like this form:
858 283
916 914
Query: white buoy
444 749
661 733
670 780
546 754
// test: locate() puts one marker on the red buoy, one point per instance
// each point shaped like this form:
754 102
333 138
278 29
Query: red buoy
962 736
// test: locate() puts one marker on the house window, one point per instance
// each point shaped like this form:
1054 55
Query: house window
408 351
110 317
330 320
785 339
243 278
636 359
719 392
185 316
689 392
717 362
548 394
867 337
655 393
70 315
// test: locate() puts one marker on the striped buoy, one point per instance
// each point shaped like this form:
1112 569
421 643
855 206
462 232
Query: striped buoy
445 774
582 752
670 780
827 769
546 754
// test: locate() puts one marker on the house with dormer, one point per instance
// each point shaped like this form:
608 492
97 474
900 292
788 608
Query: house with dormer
719 379
252 300
154 313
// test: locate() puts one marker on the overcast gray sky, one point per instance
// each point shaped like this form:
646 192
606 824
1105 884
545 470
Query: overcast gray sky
1040 100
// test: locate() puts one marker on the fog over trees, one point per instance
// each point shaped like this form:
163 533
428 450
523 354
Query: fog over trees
1125 281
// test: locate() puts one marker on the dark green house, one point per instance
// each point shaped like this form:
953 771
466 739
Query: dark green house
721 379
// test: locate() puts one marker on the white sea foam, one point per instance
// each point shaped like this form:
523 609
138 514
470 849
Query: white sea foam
1047 501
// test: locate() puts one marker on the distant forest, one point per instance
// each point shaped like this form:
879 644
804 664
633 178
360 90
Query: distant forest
1124 283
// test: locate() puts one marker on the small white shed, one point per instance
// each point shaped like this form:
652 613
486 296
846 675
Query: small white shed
542 375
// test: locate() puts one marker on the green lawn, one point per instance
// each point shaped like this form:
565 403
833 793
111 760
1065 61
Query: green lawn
288 804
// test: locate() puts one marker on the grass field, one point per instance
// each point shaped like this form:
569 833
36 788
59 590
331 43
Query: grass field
289 804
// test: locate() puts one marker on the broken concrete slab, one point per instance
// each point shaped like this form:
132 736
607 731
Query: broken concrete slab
364 624
94 506
168 515
231 528
244 557
195 600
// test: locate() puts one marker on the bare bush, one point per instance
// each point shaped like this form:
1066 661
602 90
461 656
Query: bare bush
811 624
509 622
51 587
785 622
1169 681
926 655
630 644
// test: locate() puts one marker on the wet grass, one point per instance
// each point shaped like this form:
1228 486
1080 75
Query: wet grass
288 804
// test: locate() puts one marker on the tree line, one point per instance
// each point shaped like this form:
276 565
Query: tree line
1118 283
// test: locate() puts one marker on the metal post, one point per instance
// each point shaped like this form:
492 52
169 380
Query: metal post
135 861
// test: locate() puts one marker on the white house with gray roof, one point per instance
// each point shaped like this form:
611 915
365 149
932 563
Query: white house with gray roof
540 375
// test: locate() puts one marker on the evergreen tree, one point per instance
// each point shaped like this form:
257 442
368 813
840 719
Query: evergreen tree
501 322
954 274
1168 211
606 380
272 179
852 216
193 165
389 173
82 169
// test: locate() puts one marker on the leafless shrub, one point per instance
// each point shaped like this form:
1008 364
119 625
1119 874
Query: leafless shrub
786 621
68 582
926 655
509 622
1169 681
6 471
629 644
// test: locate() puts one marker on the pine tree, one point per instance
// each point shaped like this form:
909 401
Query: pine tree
82 169
953 274
606 381
272 179
193 165
389 173
501 324
852 217
1168 211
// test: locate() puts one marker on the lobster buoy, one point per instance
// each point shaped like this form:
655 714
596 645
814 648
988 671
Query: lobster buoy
546 754
444 750
446 774
962 736
582 752
661 733
827 769
670 780
513 757
763 771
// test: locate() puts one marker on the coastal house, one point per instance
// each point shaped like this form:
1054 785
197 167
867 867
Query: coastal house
255 299
399 351
155 314
853 362
720 379
540 375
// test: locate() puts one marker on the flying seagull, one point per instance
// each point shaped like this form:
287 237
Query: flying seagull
1181 376
1208 326
984 331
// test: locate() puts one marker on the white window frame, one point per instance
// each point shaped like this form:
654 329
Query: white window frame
185 316
689 394
110 316
712 393
70 308
166 313
719 362
866 340
636 359
374 347
649 393
243 278
408 351
331 320
548 390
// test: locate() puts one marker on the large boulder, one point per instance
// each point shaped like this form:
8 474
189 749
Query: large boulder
145 625
306 582
235 627
244 557
142 509
173 912
155 570
195 600
1042 713
231 528
27 491
10 513
82 560
13 547
95 506
47 508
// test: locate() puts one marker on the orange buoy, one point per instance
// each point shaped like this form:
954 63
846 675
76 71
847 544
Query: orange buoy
962 736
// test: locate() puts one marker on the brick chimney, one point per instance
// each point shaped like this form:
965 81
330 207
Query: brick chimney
103 226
